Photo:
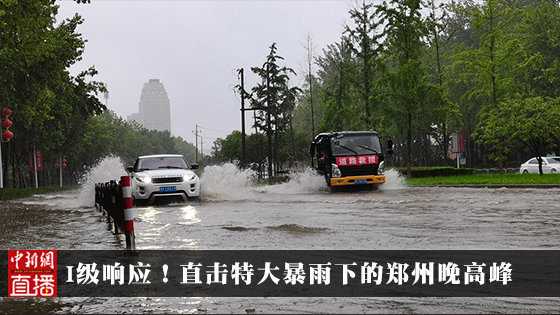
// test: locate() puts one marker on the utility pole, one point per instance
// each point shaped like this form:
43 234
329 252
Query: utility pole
196 143
35 167
60 170
243 147
310 76
268 125
1 168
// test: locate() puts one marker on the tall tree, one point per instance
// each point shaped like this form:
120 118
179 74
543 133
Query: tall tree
528 124
538 32
336 74
438 36
363 40
35 53
276 99
406 83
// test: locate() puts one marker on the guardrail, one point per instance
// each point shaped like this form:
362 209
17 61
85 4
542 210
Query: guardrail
495 170
113 199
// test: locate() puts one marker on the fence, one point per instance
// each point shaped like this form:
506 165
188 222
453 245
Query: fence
496 170
114 200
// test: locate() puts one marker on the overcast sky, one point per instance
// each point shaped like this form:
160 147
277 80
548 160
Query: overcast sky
194 47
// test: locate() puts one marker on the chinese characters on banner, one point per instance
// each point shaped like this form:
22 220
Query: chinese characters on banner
357 160
32 273
244 273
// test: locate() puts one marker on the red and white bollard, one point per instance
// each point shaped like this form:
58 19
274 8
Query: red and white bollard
128 213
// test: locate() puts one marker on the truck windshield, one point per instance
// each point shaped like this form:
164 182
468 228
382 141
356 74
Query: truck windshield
355 145
153 163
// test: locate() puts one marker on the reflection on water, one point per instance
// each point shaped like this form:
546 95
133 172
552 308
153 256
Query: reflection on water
189 215
287 217
148 214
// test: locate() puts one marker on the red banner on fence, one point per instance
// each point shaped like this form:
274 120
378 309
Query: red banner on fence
39 157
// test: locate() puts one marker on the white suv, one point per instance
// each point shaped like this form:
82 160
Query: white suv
163 175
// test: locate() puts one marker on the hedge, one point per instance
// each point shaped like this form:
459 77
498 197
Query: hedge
435 171
16 193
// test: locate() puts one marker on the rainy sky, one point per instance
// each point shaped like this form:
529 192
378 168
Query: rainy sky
194 48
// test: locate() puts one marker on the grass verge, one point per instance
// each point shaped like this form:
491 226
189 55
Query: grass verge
487 179
16 193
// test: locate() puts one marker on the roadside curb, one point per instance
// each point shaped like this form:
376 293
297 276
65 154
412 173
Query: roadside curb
540 186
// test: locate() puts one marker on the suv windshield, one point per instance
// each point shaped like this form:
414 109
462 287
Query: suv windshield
355 145
153 163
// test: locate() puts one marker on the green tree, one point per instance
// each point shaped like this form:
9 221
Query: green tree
529 123
412 101
276 98
492 68
34 82
438 36
336 74
538 32
363 42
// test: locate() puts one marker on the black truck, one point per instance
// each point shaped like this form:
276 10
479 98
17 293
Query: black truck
349 158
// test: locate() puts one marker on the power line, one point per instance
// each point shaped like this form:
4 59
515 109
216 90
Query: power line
216 130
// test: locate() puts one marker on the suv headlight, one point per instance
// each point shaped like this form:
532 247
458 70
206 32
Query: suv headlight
144 179
188 177
335 171
381 169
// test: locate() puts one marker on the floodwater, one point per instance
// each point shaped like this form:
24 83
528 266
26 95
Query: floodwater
301 214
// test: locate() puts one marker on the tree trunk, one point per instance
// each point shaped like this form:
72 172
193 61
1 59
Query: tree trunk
409 146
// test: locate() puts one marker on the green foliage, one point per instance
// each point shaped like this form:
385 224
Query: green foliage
435 171
277 101
273 94
521 124
108 134
498 180
363 41
17 193
338 93
49 106
539 34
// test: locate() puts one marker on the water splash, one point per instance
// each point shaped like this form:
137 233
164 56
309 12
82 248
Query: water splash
226 181
306 181
108 168
393 181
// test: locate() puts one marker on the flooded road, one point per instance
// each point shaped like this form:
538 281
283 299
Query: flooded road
303 214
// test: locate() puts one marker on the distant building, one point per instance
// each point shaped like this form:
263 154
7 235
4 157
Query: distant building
134 117
155 112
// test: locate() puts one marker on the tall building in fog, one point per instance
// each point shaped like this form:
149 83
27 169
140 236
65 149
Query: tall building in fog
154 109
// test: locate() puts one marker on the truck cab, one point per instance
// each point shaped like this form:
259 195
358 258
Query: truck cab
348 158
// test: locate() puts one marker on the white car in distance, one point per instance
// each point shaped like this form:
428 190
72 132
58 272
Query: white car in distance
163 176
549 165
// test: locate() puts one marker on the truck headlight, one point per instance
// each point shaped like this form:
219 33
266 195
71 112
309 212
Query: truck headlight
381 169
335 171
144 179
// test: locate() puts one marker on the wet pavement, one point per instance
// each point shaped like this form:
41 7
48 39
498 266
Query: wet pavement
301 214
